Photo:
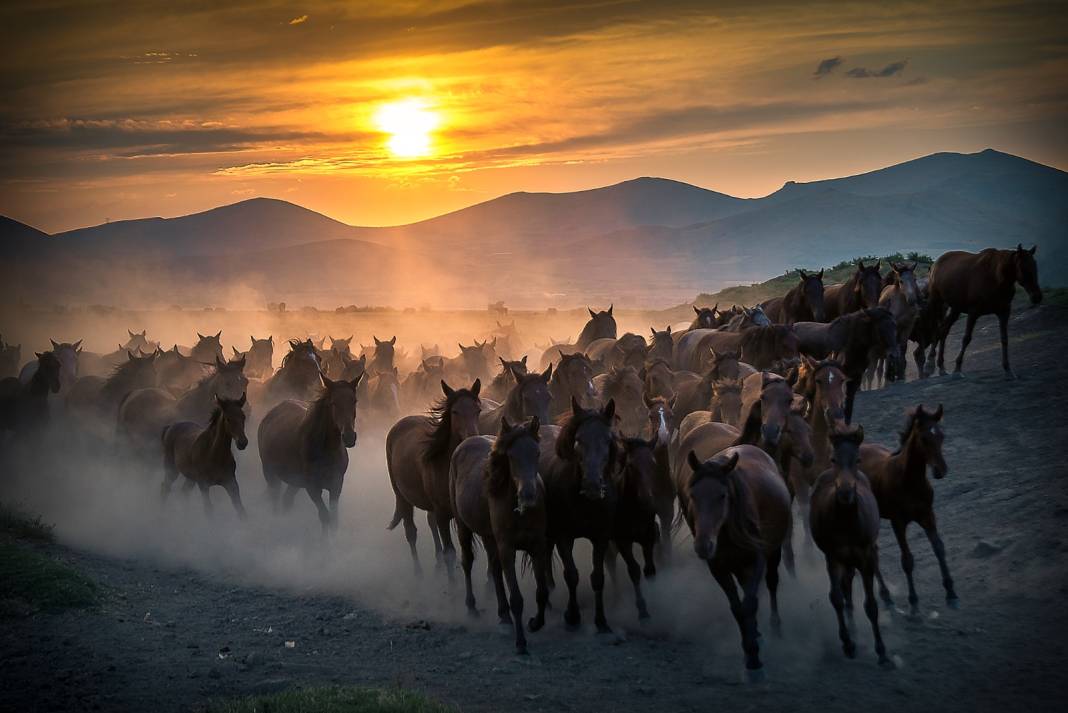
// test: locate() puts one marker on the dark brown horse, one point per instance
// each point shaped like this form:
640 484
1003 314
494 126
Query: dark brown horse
977 285
497 494
528 398
659 379
845 525
572 379
94 401
602 325
860 291
738 511
304 445
24 407
384 354
823 385
177 373
662 345
762 347
68 355
899 481
474 362
803 303
626 387
204 455
708 317
505 378
418 452
662 423
208 348
298 377
384 396
423 385
582 484
260 358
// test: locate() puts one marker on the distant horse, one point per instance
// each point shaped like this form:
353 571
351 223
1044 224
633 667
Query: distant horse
738 511
845 525
10 358
697 393
384 395
899 481
803 303
747 318
724 406
304 446
662 422
505 378
93 364
860 291
68 354
176 373
529 397
508 342
474 362
418 453
628 350
208 348
94 401
708 317
298 377
497 494
977 285
764 348
422 386
260 358
659 379
900 297
662 345
582 485
384 354
626 387
602 325
24 407
204 455
334 358
572 379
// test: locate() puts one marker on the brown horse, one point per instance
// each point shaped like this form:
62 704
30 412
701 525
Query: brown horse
977 285
823 385
900 298
505 378
662 423
177 373
208 348
738 511
24 407
528 398
659 379
298 377
384 354
204 455
626 387
636 513
94 401
662 345
572 379
260 358
473 362
899 481
708 317
845 525
304 445
384 395
725 406
628 350
422 386
860 291
418 452
582 485
764 348
803 303
497 494
602 325
746 319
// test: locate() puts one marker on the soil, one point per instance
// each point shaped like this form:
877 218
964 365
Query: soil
194 610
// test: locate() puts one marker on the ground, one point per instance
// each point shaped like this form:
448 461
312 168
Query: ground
191 611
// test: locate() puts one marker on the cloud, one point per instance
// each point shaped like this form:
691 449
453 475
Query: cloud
887 71
827 66
299 20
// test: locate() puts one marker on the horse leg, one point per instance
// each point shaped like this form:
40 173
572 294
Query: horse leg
666 516
600 546
274 492
231 488
771 577
906 562
1003 327
433 525
740 609
968 328
847 593
649 558
541 568
851 394
206 498
288 496
867 570
448 551
504 614
954 315
335 502
316 495
170 474
467 559
884 591
406 514
572 615
836 573
919 355
931 529
515 597
634 570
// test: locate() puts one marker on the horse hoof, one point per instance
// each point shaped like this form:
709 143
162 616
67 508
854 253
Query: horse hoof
473 613
505 621
886 663
572 621
643 615
849 649
957 376
535 624
604 629
521 650
953 603
755 675
1010 376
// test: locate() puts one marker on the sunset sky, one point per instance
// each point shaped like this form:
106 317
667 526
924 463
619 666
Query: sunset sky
386 113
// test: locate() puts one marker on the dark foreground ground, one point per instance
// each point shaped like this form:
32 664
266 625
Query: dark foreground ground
169 638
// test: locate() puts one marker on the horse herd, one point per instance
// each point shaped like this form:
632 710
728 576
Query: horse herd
720 425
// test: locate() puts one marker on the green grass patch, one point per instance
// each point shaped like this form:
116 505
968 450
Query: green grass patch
333 700
32 581
18 523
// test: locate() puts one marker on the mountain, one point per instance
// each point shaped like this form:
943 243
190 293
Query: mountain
649 241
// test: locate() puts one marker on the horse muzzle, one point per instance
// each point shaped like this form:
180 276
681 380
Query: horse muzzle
771 435
242 443
593 491
1036 297
705 548
349 439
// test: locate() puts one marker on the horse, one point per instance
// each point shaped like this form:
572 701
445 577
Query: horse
747 319
422 385
823 385
298 377
418 453
24 407
334 358
900 297
572 379
602 325
738 511
260 358
473 362
708 317
926 330
899 481
208 348
662 422
528 398
696 393
94 400
176 372
764 348
384 395
582 488
844 518
662 345
502 382
384 354
497 494
977 285
724 406
636 513
626 387
67 353
304 445
804 302
204 455
860 291
628 350
659 379
10 358
507 342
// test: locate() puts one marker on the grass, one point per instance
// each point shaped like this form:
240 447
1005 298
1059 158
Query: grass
333 700
31 580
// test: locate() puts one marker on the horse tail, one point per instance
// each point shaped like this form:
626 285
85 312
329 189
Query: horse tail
398 515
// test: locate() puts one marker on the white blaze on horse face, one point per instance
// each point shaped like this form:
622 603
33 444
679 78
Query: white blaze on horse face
662 435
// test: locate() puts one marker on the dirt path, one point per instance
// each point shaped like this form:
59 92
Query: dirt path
177 629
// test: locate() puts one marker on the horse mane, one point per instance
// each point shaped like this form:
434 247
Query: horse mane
124 369
906 431
617 377
765 342
440 422
569 426
655 361
498 472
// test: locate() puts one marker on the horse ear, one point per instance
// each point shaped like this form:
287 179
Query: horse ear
592 313
235 350
270 338
54 345
505 427
802 274
37 354
695 310
523 361
610 309
376 341
860 264
1033 249
652 330
446 389
134 335
394 340
731 464
77 345
359 377
693 461
461 347
609 409
821 273
199 336
668 330
129 354
218 334
503 363
1019 247
144 332
548 373
476 387
219 363
938 413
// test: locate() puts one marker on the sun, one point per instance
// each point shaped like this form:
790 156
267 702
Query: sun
409 123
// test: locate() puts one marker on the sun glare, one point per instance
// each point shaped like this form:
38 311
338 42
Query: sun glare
409 124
